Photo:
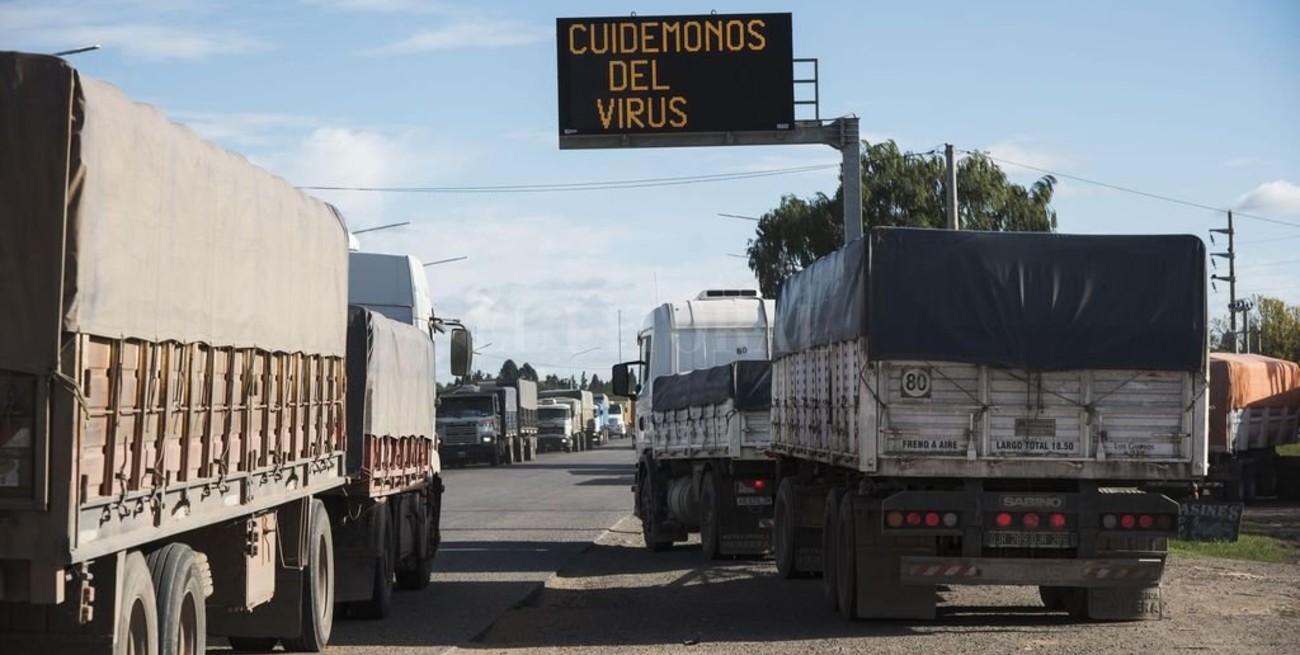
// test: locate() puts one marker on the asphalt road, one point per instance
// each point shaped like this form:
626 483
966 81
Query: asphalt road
506 530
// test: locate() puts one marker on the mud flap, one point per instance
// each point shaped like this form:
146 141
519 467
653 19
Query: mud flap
1120 604
881 595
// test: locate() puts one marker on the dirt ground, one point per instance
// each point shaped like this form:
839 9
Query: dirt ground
620 598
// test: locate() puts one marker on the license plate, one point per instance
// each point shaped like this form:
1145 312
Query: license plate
753 501
1010 539
460 453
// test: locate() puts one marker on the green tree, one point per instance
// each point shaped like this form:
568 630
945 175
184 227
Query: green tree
509 372
596 385
898 189
1276 329
527 372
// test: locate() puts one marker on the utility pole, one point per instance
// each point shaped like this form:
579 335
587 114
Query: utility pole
1231 279
954 221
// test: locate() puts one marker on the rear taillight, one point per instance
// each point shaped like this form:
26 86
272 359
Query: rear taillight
1030 521
901 519
1003 520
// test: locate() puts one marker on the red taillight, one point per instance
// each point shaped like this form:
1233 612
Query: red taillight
932 519
759 485
1127 521
914 518
1030 520
1057 521
1003 520
1145 521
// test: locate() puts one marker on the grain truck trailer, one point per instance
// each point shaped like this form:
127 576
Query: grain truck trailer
983 408
1254 408
701 395
173 369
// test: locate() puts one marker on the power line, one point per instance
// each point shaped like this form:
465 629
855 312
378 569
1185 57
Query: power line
1139 192
585 186
1258 264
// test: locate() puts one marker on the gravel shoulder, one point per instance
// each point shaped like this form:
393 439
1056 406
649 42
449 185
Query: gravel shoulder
620 598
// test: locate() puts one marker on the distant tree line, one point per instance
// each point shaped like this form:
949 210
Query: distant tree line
510 371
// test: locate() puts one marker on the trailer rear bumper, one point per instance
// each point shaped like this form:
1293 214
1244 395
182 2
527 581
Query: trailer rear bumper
1094 573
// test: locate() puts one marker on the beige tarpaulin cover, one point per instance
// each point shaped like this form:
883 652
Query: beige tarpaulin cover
1240 381
168 237
391 388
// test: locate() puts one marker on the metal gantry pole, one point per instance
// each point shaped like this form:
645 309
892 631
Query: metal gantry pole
954 219
849 146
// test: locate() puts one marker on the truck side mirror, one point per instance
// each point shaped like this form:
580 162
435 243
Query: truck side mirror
622 381
462 352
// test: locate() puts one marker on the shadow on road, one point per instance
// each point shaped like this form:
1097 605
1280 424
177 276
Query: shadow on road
639 598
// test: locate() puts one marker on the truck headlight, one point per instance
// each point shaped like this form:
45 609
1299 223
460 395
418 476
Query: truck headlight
487 439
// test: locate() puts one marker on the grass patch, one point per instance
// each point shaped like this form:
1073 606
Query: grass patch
1289 450
1249 547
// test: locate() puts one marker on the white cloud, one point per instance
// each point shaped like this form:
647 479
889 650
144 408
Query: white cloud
470 34
1016 155
1239 162
1277 198
252 129
127 26
367 158
543 287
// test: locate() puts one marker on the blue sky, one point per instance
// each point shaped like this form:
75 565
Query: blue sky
1193 100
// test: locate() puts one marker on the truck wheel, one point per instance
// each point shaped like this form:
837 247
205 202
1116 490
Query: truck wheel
710 532
381 597
495 458
137 622
318 585
783 530
178 583
830 543
650 517
418 578
846 558
252 644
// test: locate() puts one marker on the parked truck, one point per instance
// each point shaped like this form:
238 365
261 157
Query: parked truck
525 447
479 424
1254 408
701 391
601 428
578 437
555 426
617 427
180 412
584 414
984 408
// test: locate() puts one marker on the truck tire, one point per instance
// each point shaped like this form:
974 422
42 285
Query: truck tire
710 530
784 527
419 577
495 458
137 620
318 585
830 546
178 579
650 516
846 557
381 595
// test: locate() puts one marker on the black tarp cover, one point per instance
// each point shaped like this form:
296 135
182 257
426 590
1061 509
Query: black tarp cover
1035 301
747 383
